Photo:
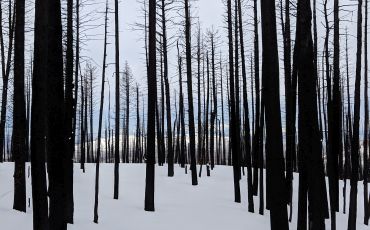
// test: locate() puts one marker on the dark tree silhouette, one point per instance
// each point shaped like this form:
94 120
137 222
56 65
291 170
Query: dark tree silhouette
152 100
235 147
312 178
55 123
366 126
193 166
116 138
97 166
247 136
69 114
355 149
38 120
274 140
19 111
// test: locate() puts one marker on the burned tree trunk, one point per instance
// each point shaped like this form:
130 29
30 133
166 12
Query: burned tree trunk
69 114
193 166
235 148
152 100
116 138
97 166
312 178
355 148
55 113
38 120
274 139
19 111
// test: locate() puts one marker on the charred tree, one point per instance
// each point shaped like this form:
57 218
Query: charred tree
235 147
312 177
19 111
55 113
193 166
68 116
274 139
38 120
97 166
152 100
116 138
355 149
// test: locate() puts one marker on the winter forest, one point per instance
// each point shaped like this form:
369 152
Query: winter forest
184 114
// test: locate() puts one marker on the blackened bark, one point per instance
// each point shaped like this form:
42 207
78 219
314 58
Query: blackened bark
19 111
38 118
274 139
193 166
116 138
152 100
256 135
366 126
336 120
69 114
355 149
309 138
97 166
199 130
247 138
290 126
55 123
234 140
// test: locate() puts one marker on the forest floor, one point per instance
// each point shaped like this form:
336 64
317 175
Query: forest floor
179 205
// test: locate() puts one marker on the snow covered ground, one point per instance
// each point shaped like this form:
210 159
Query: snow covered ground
179 205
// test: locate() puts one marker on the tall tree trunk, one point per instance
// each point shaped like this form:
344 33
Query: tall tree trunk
234 130
336 120
256 135
312 169
193 165
55 111
214 93
91 114
82 127
127 114
237 88
38 120
366 127
274 139
247 137
77 69
152 100
19 111
97 166
290 126
199 130
116 146
68 116
355 149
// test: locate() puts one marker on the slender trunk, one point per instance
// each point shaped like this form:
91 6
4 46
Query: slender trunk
97 165
19 112
152 100
256 135
234 129
355 149
116 138
193 166
366 126
69 114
